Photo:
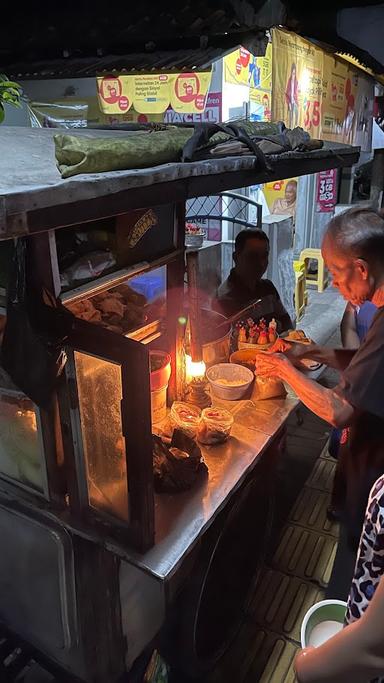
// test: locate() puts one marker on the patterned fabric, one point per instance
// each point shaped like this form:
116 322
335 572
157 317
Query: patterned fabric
370 559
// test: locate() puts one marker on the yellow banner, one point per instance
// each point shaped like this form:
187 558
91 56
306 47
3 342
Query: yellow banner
312 89
281 196
236 67
150 92
154 93
340 100
189 92
242 68
261 96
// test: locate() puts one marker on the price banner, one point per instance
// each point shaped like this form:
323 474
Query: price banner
153 93
315 90
326 193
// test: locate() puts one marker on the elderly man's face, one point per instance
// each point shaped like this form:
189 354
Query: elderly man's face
349 274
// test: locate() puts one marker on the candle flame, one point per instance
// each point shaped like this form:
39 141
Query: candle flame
193 368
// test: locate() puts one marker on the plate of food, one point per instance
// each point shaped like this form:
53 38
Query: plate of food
297 337
311 365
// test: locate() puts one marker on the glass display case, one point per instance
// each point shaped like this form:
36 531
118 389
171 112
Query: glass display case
108 384
90 451
22 456
100 395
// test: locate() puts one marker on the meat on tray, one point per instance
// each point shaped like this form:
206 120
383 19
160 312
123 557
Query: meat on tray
119 310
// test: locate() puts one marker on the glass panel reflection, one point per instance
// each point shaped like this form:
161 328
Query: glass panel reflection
100 394
21 453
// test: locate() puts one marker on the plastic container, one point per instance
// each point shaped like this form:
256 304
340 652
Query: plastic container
159 384
160 377
152 285
194 241
322 621
159 405
215 426
185 417
229 381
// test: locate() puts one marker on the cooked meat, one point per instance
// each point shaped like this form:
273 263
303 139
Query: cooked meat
112 305
84 310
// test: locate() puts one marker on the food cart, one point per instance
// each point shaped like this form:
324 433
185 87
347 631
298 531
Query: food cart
94 563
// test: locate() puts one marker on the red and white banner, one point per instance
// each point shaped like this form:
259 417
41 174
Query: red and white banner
326 193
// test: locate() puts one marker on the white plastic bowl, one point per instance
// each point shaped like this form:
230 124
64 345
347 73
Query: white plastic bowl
231 372
327 617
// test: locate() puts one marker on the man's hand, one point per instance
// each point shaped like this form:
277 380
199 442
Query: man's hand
271 364
295 352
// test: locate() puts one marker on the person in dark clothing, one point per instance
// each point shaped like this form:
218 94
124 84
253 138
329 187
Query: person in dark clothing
354 328
353 249
245 284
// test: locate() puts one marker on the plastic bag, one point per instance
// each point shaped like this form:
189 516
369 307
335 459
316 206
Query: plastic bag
268 387
37 325
185 417
177 467
87 267
215 426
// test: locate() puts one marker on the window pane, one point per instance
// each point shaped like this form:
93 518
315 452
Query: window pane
21 453
100 394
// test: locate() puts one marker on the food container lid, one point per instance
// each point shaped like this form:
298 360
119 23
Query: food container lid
218 416
185 412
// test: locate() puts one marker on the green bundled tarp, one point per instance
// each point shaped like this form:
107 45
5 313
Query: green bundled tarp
76 154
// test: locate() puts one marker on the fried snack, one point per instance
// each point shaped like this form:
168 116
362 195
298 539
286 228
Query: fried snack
129 295
111 305
297 335
85 310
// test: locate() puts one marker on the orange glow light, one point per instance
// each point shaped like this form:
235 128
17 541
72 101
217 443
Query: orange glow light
194 369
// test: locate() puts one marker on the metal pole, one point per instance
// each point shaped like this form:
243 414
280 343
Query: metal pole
377 182
194 306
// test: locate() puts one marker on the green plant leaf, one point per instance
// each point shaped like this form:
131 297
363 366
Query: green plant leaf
10 93
10 84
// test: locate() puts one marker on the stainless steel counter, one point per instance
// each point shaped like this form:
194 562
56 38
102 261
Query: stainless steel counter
182 518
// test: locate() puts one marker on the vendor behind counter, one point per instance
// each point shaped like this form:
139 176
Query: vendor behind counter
245 284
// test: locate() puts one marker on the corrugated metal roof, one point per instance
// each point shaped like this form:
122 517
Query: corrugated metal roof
142 36
62 41
179 60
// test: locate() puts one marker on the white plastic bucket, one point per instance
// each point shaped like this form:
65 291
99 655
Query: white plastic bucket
327 617
159 404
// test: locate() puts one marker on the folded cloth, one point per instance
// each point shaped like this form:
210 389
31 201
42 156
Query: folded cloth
237 138
77 154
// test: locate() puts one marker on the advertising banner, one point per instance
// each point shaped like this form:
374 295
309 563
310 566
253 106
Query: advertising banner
315 90
326 191
236 67
281 196
211 113
243 68
154 93
261 96
73 112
